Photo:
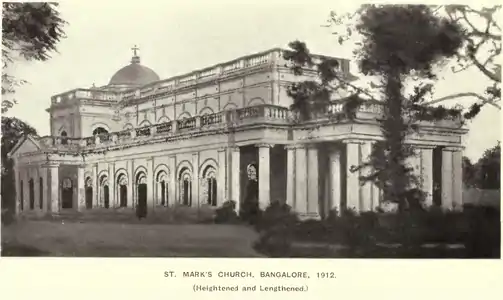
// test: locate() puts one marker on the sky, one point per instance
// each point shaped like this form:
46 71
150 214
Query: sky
176 37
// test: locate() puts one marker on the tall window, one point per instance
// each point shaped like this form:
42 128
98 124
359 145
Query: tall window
32 194
64 138
210 186
185 181
21 191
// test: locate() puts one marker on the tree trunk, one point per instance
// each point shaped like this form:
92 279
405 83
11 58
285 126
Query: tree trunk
394 131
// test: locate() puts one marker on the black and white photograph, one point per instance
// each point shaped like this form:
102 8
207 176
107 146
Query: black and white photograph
242 129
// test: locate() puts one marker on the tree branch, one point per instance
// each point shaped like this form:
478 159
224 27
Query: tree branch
469 94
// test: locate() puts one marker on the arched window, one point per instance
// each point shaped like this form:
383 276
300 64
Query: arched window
104 192
99 130
122 190
185 183
64 138
210 186
162 188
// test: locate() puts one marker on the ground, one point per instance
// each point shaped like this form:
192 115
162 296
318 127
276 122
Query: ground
52 238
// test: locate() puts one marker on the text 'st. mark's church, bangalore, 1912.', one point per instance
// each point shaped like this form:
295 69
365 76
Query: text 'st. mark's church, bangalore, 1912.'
201 138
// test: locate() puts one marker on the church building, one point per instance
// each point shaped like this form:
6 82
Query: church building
202 138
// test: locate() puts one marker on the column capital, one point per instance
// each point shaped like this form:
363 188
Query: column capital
421 146
453 148
264 145
50 165
222 149
291 146
353 141
234 148
311 146
81 166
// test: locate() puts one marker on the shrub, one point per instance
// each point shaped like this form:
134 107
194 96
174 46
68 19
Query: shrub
226 213
7 217
275 214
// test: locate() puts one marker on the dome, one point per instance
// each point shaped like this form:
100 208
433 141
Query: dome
134 74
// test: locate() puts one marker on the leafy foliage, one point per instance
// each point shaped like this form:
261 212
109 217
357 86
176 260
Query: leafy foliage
13 130
399 42
30 30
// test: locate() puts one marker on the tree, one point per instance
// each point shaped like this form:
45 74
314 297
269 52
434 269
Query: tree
482 46
488 169
399 42
13 130
481 36
469 172
30 31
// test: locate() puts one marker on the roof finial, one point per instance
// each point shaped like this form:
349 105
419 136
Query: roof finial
136 58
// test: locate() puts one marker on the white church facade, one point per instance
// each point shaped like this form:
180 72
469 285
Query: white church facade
191 140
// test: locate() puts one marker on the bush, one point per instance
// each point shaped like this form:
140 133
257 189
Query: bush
226 214
7 217
275 214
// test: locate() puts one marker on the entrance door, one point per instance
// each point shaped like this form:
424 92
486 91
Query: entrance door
142 201
123 195
67 198
106 196
89 197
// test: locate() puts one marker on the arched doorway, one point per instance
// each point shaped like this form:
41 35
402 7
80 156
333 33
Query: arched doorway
162 188
185 182
122 191
89 193
250 207
67 194
31 187
141 185
104 192
210 186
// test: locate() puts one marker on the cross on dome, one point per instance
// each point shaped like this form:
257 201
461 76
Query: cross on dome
136 58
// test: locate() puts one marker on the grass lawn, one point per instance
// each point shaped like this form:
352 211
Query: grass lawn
93 239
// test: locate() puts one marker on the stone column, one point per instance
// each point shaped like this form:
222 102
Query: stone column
45 190
54 183
95 178
130 184
427 173
366 189
26 188
457 179
447 185
172 180
290 175
81 191
376 195
150 182
17 206
352 180
335 179
36 188
235 175
221 182
264 175
111 185
313 197
196 181
301 180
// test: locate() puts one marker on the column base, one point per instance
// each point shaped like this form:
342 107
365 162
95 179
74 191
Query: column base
309 216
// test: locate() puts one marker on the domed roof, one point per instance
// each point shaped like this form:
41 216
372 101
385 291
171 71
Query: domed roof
134 74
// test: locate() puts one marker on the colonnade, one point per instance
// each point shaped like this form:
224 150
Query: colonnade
303 176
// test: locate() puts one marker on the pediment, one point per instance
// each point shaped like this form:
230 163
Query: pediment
25 145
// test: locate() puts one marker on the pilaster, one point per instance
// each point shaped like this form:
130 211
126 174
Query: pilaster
366 189
426 178
235 174
54 184
130 184
95 186
81 193
172 190
457 179
447 192
221 181
45 190
197 180
17 181
36 188
150 182
111 185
